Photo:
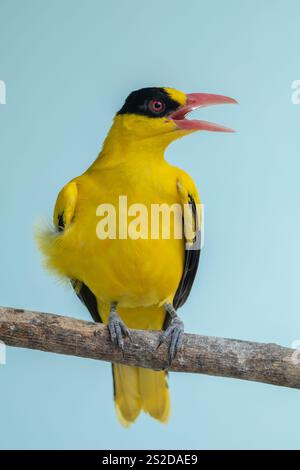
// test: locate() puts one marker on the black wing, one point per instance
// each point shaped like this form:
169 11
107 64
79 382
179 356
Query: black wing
87 298
191 262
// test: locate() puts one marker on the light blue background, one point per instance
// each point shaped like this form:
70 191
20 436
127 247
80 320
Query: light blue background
68 65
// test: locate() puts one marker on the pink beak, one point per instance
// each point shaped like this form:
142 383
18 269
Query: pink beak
195 101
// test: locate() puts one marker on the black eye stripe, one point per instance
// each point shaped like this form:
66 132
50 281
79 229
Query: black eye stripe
138 102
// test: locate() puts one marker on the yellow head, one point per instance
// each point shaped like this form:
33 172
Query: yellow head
160 113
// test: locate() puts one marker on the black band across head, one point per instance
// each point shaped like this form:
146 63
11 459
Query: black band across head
151 102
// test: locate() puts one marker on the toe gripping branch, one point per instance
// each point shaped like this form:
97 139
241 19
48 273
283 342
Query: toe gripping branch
174 331
117 328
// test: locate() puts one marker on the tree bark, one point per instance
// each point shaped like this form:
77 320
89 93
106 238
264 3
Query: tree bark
268 363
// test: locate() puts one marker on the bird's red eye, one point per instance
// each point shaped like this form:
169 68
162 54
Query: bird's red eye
156 106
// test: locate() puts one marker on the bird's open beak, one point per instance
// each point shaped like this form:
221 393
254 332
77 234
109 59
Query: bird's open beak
195 101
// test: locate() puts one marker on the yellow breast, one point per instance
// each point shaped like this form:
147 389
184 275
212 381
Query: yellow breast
133 272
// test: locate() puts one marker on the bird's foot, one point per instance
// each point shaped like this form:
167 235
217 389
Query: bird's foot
175 331
117 328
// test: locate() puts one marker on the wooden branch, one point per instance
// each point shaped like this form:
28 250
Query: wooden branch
268 363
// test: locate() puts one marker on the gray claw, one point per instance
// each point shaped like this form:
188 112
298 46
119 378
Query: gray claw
117 330
176 332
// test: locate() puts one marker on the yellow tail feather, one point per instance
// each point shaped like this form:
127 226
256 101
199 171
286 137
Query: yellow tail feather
155 393
126 393
138 389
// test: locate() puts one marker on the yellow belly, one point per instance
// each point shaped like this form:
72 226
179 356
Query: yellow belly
131 272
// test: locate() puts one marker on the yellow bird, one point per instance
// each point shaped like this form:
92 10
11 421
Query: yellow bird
134 281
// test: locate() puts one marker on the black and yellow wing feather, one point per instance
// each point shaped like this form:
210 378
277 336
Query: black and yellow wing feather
191 261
